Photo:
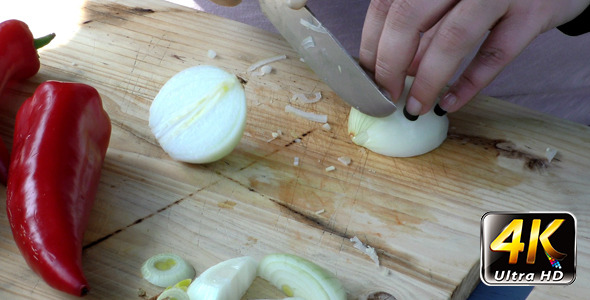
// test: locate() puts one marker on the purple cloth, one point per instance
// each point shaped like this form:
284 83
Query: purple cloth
552 74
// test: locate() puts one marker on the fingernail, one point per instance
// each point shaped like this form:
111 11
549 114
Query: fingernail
409 116
439 111
412 109
448 101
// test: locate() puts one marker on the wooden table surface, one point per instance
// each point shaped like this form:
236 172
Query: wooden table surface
421 214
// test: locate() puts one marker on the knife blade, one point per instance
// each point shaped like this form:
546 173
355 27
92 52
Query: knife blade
327 58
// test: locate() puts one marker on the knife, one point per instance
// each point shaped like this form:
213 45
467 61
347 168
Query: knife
327 58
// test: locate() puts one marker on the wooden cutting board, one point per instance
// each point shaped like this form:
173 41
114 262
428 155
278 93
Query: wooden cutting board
421 214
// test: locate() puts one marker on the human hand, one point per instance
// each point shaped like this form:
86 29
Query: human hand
429 39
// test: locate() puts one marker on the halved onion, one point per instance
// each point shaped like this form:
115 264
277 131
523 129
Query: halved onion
395 135
199 115
299 277
166 269
228 280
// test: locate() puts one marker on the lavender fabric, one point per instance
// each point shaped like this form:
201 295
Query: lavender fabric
551 75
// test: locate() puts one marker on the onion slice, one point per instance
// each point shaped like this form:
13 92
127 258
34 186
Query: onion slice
173 293
265 61
306 115
299 277
228 280
199 115
166 269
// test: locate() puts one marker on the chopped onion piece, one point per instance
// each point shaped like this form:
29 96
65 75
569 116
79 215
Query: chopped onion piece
321 211
275 135
550 154
266 69
211 54
317 28
227 280
326 127
308 42
345 160
368 250
303 98
266 61
330 169
306 115
166 269
296 161
299 277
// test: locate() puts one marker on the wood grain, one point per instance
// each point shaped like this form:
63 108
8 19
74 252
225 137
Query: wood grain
422 214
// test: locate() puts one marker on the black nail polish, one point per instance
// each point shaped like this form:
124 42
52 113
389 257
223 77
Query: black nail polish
439 111
409 116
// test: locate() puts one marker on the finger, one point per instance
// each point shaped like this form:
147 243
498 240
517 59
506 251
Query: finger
506 40
372 28
400 38
425 41
458 35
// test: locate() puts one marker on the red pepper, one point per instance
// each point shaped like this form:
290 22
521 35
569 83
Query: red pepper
61 137
18 61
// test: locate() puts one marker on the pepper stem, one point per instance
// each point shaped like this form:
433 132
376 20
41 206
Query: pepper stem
42 41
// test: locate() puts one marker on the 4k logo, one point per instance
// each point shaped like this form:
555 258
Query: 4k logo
528 248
